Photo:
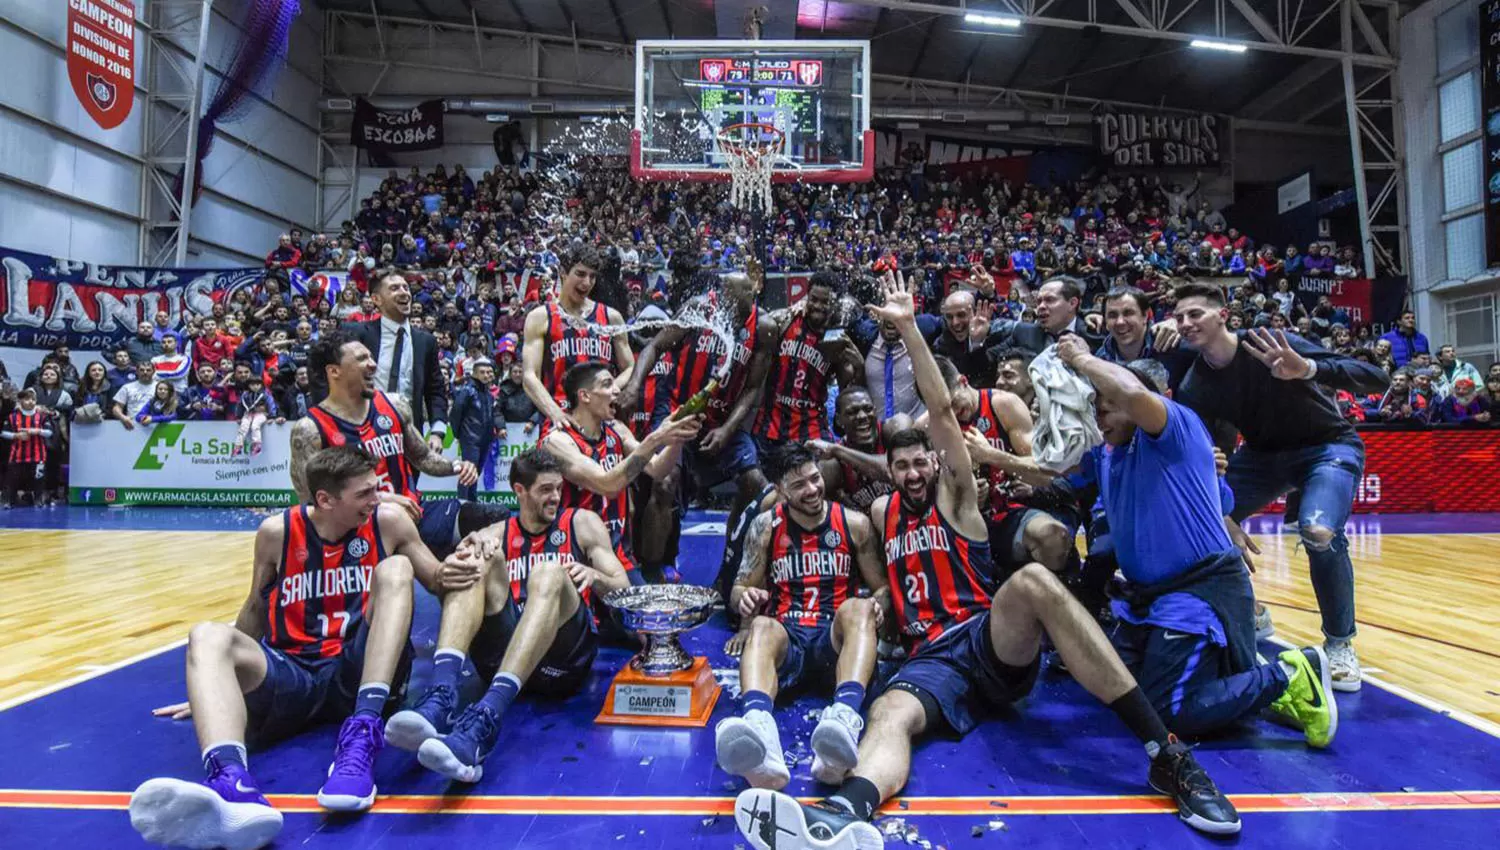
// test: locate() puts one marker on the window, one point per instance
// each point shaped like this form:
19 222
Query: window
1456 40
1465 238
1458 106
1471 328
1462 177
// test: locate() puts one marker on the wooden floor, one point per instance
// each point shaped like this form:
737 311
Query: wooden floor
74 601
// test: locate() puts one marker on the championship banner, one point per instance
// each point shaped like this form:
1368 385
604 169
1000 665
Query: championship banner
45 301
101 58
194 463
397 130
1489 110
1143 140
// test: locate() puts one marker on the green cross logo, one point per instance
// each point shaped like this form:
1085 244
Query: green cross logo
158 447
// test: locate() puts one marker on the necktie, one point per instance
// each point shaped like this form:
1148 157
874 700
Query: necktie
393 380
890 383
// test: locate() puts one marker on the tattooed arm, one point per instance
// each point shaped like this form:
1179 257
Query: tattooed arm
749 594
306 441
421 456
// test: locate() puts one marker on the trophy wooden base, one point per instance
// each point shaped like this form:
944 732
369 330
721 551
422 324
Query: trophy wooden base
685 698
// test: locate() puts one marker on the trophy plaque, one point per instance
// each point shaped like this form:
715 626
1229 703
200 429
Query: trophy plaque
662 685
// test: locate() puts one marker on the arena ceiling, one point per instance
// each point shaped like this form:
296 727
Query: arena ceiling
1133 51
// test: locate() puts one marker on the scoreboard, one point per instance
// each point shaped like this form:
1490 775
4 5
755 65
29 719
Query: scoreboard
788 86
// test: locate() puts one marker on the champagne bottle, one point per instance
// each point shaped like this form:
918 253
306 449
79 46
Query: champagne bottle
698 403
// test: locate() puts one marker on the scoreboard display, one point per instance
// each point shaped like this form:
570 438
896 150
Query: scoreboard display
791 87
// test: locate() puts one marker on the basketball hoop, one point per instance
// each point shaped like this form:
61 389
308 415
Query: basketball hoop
752 150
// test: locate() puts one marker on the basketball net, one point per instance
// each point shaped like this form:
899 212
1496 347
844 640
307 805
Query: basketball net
751 160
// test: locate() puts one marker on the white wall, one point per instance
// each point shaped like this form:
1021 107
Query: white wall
66 187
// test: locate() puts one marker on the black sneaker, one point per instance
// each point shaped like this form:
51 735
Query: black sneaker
771 820
1177 774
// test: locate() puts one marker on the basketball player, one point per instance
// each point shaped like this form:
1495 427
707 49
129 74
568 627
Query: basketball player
854 469
322 635
968 653
1018 534
528 621
356 413
807 353
567 331
724 450
797 590
654 388
1273 388
599 459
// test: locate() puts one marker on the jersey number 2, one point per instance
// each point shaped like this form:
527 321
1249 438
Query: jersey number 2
916 588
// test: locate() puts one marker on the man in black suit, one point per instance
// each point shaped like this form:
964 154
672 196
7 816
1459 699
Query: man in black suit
1057 304
405 355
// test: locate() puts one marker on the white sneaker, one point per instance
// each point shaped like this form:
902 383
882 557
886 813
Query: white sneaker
750 746
835 740
1343 665
191 814
1264 628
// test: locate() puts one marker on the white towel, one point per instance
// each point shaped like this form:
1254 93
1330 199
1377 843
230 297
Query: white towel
1065 428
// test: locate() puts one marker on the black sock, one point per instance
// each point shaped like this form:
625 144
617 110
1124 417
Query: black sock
1136 711
858 796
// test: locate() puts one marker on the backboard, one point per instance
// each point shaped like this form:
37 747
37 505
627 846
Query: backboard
815 92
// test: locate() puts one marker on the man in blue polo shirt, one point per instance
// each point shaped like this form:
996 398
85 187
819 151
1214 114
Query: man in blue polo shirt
1187 623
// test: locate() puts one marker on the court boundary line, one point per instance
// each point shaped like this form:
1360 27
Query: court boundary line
1432 704
966 806
79 679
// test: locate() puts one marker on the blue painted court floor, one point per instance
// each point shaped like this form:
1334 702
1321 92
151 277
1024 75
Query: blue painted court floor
1058 771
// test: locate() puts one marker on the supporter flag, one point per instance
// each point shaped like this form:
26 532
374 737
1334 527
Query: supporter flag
313 285
397 130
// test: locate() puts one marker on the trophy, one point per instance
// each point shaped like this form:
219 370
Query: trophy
662 685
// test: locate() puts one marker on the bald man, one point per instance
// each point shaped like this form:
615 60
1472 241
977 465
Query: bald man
968 335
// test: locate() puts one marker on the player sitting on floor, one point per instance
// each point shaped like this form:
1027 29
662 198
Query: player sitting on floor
322 635
797 590
536 630
968 654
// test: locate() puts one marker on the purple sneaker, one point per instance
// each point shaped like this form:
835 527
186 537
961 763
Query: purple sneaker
351 777
227 810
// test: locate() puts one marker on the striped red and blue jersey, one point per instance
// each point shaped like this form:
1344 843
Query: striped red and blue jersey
797 393
987 423
524 551
935 573
857 490
28 448
382 434
318 598
811 571
702 356
654 390
608 450
570 343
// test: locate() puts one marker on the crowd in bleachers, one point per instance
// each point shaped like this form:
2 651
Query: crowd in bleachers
482 251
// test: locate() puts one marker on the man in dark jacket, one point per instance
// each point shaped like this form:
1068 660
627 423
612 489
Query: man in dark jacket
472 416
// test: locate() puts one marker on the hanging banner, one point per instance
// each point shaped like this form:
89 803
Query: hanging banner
1489 93
397 130
1353 295
45 301
314 285
101 58
1143 140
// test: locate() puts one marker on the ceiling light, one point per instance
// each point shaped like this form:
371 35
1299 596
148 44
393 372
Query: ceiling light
1222 46
993 20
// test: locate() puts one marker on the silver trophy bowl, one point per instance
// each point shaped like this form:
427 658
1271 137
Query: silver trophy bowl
661 612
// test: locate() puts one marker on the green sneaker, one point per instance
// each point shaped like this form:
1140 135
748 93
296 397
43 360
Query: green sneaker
1308 702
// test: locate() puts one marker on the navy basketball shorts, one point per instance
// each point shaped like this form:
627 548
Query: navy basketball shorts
737 456
300 692
959 680
445 522
565 667
811 661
